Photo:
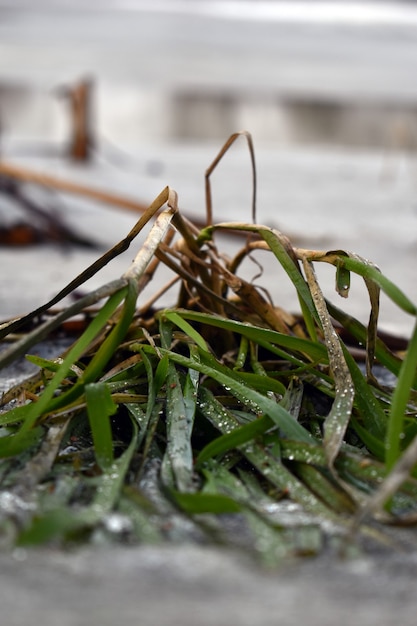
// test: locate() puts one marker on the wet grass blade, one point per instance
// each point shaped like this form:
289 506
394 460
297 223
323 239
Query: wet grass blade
399 402
371 412
234 439
244 387
259 456
174 318
257 402
177 466
9 446
337 420
368 271
198 503
100 407
322 486
111 483
359 332
29 414
257 334
59 523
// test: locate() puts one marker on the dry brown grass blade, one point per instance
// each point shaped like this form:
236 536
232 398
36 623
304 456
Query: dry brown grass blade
195 258
136 272
120 247
194 292
26 175
198 262
157 234
252 299
212 167
45 180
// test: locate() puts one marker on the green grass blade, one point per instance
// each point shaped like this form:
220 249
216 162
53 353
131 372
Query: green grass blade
399 401
359 332
371 412
59 522
199 503
267 464
255 400
153 388
242 354
370 272
342 280
322 486
192 381
279 246
264 384
141 417
177 465
51 525
9 446
110 485
115 337
45 364
30 413
258 335
179 321
100 407
374 444
293 397
139 512
279 250
234 439
161 373
337 420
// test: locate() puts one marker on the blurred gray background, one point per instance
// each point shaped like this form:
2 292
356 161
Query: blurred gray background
327 89
292 72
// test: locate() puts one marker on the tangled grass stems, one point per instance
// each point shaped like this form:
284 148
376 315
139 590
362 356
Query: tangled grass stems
223 405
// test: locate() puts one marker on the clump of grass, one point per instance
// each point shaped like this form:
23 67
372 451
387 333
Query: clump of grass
178 424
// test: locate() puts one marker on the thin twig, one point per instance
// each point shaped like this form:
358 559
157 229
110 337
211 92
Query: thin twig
45 180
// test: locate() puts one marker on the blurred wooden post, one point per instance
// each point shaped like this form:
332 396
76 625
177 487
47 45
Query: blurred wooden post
80 103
